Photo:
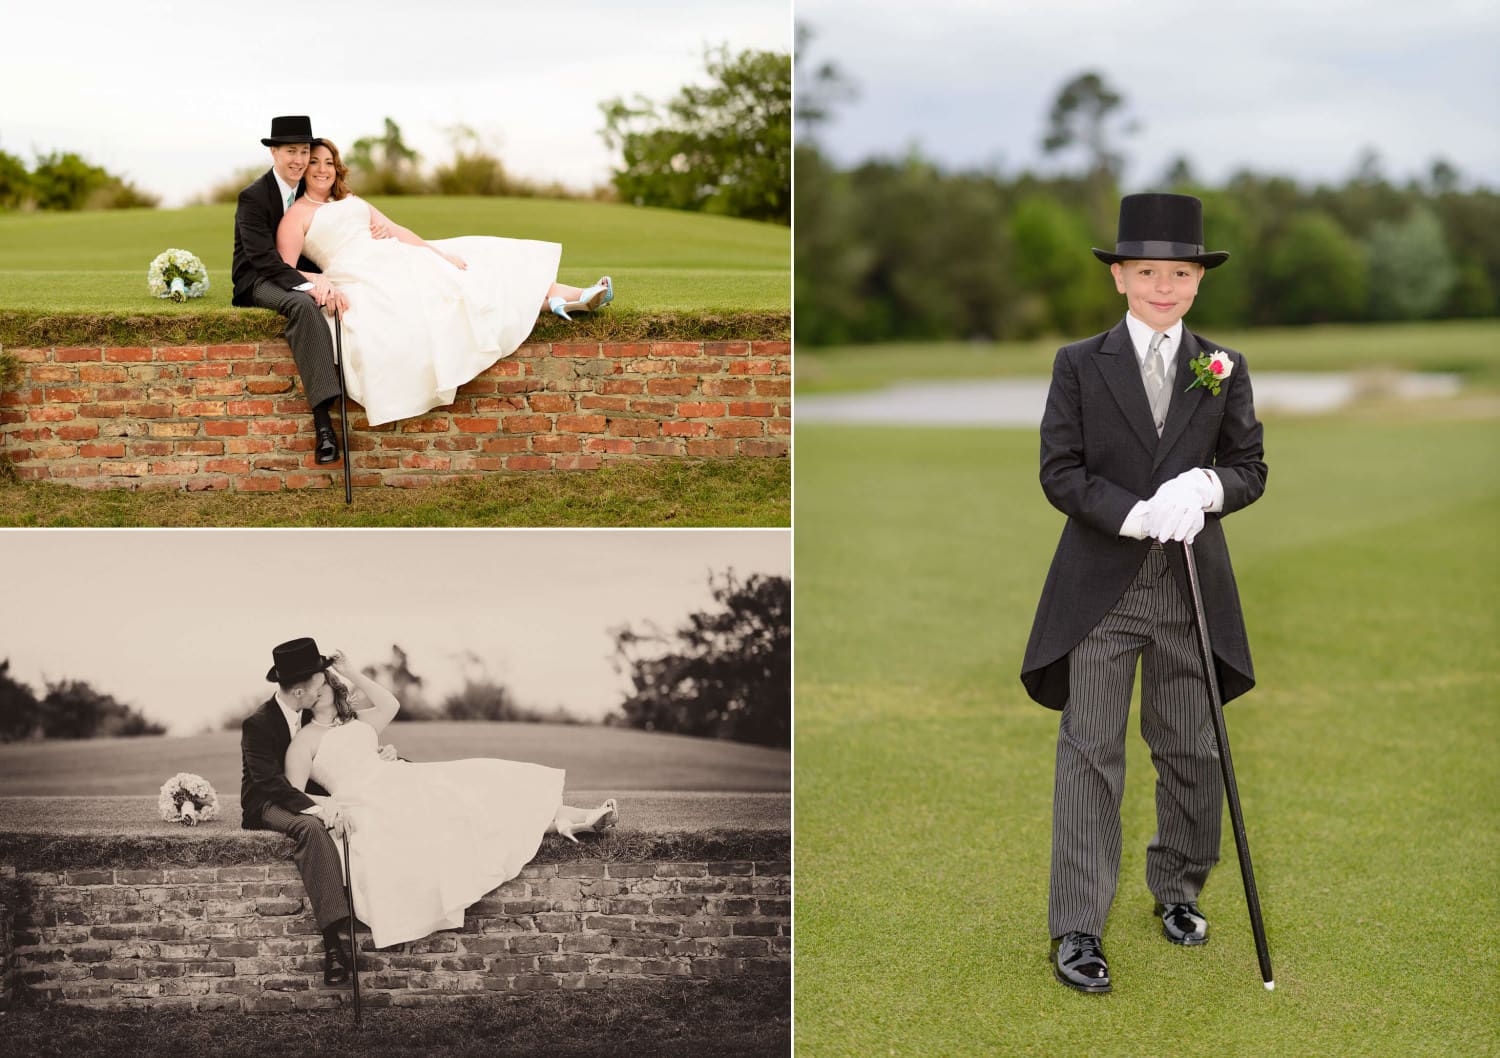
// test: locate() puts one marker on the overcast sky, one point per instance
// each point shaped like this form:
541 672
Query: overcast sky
1281 86
180 623
176 95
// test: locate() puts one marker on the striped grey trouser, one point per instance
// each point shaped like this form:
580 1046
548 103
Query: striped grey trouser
317 861
1152 622
308 334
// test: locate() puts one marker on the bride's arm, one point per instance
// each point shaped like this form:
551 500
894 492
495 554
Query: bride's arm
299 758
291 235
411 238
374 704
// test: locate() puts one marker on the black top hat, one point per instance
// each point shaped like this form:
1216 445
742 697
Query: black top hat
296 128
296 660
1155 227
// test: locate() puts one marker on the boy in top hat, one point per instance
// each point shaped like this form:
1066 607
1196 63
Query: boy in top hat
263 280
1149 439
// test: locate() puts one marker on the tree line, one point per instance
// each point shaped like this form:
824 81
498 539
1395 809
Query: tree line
725 672
67 709
902 249
721 147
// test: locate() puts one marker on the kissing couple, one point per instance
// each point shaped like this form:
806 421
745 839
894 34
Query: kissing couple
418 318
425 840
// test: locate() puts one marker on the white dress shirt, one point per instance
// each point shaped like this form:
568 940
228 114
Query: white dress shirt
1140 337
287 189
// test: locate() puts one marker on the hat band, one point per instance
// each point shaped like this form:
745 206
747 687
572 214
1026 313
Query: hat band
1159 250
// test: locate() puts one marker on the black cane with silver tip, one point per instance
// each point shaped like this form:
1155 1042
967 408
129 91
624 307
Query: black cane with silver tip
338 359
353 944
1226 765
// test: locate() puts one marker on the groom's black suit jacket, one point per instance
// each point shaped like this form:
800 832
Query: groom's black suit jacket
259 211
264 738
1100 455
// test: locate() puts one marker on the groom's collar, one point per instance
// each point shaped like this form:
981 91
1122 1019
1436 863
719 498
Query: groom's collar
286 188
293 717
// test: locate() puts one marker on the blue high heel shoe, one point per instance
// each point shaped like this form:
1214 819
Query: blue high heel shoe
598 295
559 306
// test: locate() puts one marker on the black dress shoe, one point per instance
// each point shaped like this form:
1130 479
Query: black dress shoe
1078 962
326 449
336 963
1183 924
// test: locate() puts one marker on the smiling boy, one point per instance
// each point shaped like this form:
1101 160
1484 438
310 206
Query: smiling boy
1149 439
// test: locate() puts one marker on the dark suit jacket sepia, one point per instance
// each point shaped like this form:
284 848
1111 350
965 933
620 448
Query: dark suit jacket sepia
264 738
1100 455
256 216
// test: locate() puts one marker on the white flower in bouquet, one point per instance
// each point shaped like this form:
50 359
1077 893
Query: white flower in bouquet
187 799
177 274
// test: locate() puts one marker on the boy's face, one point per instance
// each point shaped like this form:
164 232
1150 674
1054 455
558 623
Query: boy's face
1158 293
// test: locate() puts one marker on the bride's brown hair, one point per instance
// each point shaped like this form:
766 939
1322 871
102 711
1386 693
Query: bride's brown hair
340 187
343 707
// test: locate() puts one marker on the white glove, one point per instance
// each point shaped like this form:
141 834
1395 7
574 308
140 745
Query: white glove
1173 521
1196 483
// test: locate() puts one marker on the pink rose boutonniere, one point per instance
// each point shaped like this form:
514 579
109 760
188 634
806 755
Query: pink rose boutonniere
1211 369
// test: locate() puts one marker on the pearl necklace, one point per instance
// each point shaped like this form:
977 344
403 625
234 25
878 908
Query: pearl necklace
336 723
317 201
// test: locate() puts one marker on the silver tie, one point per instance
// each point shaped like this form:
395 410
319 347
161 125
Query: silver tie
1156 382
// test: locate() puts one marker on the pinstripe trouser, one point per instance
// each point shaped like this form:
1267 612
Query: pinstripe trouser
317 861
307 333
1151 622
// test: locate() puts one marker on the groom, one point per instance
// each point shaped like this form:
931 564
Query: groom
269 802
263 280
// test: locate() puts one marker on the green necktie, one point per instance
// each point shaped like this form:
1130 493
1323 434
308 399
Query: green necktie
291 197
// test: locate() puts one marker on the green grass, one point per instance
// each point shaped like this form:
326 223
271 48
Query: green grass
679 493
661 260
1468 347
1365 758
730 1019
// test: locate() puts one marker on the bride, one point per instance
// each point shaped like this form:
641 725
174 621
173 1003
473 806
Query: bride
425 840
423 317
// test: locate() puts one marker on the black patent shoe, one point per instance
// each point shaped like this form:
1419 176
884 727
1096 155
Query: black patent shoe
336 963
1183 924
326 449
1078 962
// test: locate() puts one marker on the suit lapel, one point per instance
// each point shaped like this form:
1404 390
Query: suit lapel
1122 374
1184 401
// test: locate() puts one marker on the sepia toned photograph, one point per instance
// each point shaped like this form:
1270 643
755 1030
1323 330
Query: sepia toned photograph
549 772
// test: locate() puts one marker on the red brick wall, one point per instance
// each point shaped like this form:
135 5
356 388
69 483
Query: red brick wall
242 938
233 416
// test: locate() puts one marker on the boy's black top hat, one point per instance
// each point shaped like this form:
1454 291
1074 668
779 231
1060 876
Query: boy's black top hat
296 660
296 128
1156 227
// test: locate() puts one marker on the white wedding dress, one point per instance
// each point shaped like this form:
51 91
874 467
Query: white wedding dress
428 840
418 327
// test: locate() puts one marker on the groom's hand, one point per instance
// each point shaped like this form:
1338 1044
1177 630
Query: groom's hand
379 229
388 753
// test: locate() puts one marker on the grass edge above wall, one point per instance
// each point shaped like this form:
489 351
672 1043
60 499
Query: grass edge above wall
31 329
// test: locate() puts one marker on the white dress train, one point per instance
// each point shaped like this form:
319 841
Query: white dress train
418 327
428 840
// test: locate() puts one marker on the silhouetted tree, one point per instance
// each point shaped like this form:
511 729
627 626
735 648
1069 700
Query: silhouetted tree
724 674
20 714
384 164
406 685
74 709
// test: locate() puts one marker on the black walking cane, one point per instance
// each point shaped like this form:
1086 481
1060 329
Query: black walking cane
1226 765
353 945
338 359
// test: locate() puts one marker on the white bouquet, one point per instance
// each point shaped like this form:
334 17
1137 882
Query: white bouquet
177 274
187 799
